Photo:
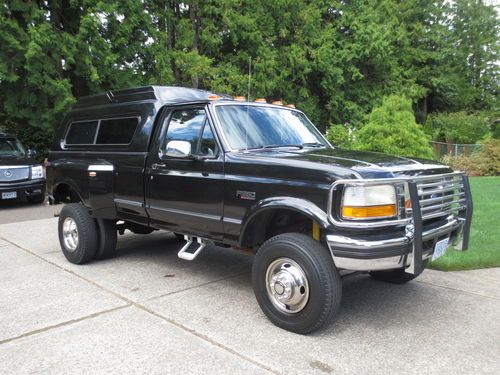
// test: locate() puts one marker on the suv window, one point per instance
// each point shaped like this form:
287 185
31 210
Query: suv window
81 133
116 131
191 125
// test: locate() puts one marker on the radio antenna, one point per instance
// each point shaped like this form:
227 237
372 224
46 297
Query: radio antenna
249 76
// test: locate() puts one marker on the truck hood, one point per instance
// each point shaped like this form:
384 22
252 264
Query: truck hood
364 163
15 160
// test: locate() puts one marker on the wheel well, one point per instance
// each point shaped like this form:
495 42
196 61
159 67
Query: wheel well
272 222
64 193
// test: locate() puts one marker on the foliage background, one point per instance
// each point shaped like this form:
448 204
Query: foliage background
335 60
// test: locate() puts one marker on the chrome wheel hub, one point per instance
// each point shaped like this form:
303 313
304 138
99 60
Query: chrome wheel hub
287 285
70 234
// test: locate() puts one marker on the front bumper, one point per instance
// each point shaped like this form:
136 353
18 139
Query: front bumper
406 247
24 188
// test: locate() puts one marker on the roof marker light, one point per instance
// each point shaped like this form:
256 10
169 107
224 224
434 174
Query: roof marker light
277 102
213 97
290 105
260 100
240 98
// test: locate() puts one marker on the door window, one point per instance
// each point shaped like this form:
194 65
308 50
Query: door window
191 125
208 144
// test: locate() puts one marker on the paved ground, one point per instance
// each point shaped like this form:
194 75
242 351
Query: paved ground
146 311
12 211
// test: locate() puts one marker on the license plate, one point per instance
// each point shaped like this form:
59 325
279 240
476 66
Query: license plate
9 195
440 248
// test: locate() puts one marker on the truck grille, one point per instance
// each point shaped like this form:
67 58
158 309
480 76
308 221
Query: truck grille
441 196
12 174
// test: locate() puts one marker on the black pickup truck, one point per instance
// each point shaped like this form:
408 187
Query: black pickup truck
251 176
21 176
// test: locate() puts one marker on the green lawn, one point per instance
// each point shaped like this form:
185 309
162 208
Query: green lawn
484 249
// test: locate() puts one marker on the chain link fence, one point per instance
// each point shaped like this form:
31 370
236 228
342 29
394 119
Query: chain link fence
454 149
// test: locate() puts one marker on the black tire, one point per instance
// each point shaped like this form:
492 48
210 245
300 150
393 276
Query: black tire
87 243
36 199
107 238
325 286
397 276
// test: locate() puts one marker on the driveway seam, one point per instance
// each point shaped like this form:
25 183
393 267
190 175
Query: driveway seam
458 290
63 324
197 286
148 310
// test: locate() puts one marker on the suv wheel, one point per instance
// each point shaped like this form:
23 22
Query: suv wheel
78 234
107 238
397 276
296 282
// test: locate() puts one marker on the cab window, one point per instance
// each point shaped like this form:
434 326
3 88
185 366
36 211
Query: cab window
192 125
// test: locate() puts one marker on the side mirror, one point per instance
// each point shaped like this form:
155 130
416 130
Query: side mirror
30 153
178 149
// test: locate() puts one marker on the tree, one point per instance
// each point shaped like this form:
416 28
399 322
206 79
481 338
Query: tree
335 60
392 129
458 127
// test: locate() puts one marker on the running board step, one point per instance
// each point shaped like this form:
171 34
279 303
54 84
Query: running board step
185 254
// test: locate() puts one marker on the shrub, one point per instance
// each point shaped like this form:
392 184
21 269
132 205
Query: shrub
488 158
392 129
485 162
339 135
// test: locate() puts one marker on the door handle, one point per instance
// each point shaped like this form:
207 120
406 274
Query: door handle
158 165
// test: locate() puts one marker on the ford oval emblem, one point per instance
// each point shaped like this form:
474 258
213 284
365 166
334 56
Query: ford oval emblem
7 173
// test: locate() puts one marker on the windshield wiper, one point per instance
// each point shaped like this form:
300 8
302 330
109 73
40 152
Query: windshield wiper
271 146
313 144
286 145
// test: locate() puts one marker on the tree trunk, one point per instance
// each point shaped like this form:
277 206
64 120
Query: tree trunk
195 23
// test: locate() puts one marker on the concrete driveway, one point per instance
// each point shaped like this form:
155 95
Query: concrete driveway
146 311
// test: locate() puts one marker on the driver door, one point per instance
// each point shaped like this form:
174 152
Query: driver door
185 194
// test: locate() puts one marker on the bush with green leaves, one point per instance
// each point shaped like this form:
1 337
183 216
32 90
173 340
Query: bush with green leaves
458 127
339 135
392 129
485 162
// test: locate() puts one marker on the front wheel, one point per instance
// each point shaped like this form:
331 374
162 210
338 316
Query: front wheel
296 282
78 234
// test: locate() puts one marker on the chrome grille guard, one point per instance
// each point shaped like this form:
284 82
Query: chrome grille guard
430 197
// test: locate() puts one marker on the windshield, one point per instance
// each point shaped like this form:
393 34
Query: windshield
254 127
11 147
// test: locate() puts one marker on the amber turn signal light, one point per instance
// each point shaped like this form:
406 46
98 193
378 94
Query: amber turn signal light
386 210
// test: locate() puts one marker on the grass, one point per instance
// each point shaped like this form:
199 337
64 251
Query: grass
484 247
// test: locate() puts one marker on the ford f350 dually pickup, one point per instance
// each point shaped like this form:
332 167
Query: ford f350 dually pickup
250 176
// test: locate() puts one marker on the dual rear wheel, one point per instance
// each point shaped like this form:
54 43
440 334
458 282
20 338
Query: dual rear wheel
84 238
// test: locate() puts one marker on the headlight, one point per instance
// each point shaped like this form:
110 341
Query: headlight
37 172
369 202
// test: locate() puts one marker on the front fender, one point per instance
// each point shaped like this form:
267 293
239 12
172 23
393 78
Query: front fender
303 206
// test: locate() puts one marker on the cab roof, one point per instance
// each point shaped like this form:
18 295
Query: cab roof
164 94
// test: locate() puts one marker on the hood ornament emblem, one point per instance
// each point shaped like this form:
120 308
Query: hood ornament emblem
7 173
